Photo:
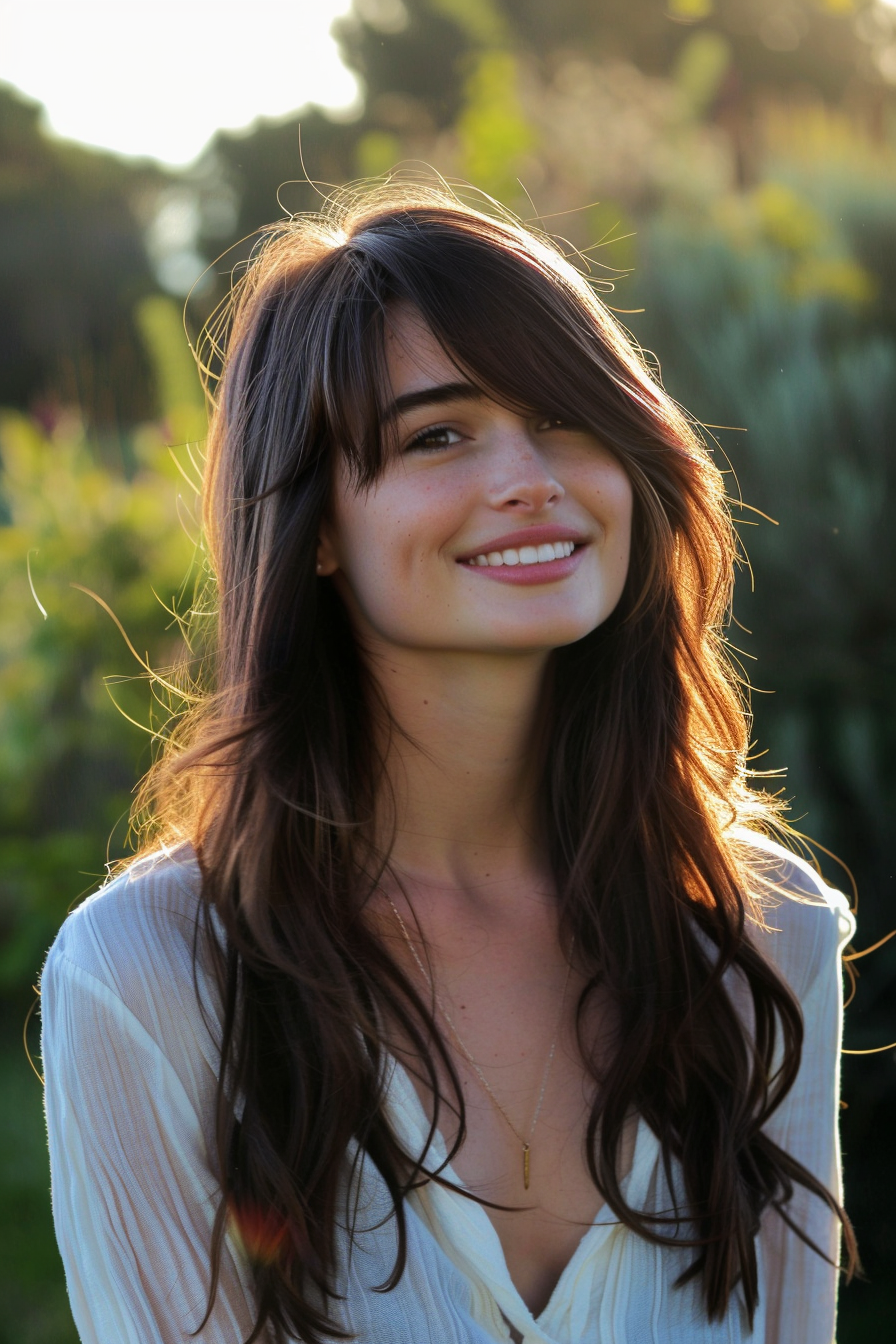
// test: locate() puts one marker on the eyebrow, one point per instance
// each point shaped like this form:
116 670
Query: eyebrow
436 395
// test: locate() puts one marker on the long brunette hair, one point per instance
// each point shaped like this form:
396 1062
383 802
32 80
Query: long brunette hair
644 787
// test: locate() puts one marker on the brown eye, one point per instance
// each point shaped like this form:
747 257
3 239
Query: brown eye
433 438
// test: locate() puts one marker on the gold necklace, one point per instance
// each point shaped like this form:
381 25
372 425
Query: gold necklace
527 1142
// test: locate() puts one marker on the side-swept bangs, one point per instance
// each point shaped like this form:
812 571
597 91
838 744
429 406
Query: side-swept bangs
521 322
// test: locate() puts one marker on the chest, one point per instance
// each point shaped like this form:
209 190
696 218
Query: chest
616 1286
539 1225
509 1024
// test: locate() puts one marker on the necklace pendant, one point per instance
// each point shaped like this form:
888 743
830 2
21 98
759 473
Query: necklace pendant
526 1166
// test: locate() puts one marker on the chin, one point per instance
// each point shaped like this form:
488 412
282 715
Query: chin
538 638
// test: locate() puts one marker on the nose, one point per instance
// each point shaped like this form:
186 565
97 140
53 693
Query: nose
522 480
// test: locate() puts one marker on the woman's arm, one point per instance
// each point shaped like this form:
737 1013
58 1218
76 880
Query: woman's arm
806 936
133 1194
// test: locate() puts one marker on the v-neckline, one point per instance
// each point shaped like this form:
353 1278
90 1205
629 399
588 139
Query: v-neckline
480 1253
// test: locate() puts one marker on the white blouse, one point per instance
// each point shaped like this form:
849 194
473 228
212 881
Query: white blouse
131 1065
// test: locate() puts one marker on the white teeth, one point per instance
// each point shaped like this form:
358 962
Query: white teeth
525 555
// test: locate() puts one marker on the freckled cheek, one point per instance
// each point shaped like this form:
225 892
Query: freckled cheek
430 522
390 544
395 572
624 500
608 499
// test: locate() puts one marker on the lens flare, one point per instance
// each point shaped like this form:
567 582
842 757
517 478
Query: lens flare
259 1233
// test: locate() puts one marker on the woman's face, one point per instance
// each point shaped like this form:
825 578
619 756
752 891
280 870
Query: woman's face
487 531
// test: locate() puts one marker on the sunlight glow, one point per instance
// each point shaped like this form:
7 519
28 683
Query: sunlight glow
158 79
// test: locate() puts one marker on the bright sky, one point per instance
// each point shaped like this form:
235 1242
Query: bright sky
159 77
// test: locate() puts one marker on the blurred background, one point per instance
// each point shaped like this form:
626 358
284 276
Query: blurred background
729 169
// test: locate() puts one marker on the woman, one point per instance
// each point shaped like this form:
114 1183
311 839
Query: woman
463 996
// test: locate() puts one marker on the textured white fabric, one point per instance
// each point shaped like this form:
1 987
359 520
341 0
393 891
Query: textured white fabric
130 1064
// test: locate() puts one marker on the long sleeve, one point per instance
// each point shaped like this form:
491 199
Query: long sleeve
805 941
127 1086
131 1061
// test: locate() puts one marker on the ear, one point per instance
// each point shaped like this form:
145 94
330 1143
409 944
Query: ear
327 563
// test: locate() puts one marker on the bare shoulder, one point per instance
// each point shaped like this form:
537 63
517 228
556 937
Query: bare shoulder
802 923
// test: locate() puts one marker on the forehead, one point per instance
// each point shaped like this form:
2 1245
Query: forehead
414 357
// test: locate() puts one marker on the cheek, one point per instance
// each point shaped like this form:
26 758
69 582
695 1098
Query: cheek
606 493
622 541
610 500
405 527
625 502
378 548
616 488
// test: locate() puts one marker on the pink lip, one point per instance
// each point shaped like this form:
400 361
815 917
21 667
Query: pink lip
528 536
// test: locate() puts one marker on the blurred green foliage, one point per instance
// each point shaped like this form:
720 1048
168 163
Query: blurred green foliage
736 200
72 267
775 314
69 744
75 712
493 132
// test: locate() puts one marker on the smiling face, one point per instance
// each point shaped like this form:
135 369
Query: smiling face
488 531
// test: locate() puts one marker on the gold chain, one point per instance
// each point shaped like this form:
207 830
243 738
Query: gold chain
527 1142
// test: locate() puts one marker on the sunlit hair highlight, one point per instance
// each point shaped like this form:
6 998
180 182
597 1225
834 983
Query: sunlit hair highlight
275 777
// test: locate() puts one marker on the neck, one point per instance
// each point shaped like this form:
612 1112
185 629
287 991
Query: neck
462 765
